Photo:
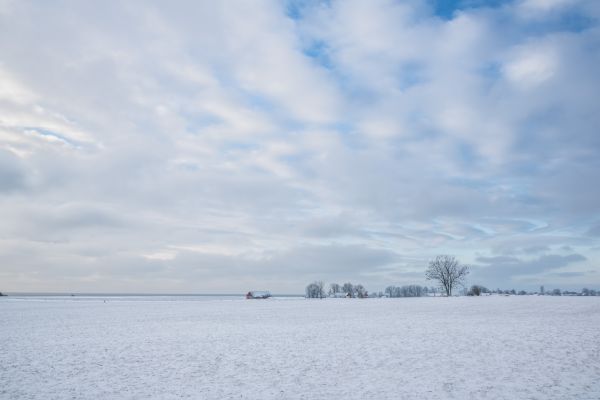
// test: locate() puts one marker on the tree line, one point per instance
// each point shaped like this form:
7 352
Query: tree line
478 290
316 290
409 291
445 270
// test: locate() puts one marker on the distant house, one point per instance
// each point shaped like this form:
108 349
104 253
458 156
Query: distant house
256 294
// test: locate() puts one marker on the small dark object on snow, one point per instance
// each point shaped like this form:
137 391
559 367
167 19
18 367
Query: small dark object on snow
258 295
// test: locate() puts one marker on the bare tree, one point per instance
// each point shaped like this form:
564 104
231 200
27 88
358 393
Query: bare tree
447 272
321 287
348 288
390 291
315 290
334 288
360 291
406 291
475 290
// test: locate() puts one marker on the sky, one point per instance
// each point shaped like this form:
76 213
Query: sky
221 147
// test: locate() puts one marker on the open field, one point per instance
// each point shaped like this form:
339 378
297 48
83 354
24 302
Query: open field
523 347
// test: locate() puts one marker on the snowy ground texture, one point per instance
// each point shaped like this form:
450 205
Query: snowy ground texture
519 347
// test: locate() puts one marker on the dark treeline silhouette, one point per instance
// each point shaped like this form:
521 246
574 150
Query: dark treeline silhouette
408 291
583 292
478 290
316 290
590 292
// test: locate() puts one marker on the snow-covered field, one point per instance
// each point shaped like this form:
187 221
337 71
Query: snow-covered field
519 347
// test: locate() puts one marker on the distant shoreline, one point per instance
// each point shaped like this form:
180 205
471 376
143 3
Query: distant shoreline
55 294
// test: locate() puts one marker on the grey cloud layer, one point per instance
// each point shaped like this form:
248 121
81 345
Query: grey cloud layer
206 147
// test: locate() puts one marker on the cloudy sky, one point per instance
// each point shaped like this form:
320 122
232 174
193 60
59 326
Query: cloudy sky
209 146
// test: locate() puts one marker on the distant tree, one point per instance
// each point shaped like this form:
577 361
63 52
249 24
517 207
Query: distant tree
348 288
522 293
415 291
447 272
542 289
311 290
389 291
513 291
321 286
408 291
593 292
585 291
556 292
475 290
315 290
334 288
360 291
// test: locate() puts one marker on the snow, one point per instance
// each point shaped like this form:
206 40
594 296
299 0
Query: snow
524 347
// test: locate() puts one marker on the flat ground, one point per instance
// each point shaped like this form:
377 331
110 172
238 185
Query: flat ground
519 347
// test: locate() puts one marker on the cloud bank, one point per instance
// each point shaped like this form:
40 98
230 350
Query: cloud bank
217 147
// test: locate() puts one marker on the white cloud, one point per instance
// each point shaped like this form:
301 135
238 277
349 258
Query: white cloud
194 142
546 5
14 91
531 66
